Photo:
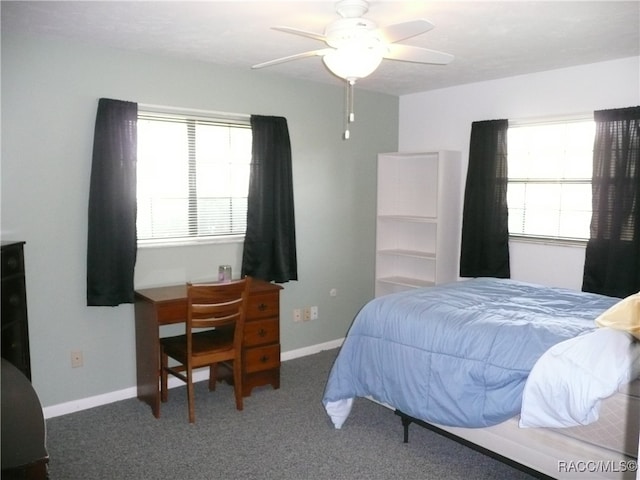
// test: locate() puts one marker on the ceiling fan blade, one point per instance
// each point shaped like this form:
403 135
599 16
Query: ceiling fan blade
400 31
297 56
304 33
407 53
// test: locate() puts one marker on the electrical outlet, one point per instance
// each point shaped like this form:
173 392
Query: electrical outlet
314 313
297 315
76 359
306 313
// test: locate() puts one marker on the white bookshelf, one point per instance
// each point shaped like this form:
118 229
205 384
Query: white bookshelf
419 220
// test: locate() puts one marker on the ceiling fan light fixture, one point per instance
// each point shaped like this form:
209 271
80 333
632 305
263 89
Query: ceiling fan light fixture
355 47
352 63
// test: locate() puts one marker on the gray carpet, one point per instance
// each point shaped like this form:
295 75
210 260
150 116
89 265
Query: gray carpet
280 434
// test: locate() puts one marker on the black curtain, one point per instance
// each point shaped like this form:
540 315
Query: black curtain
270 242
111 248
485 228
612 258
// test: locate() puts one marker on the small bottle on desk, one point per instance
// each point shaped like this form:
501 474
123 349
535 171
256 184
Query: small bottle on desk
224 273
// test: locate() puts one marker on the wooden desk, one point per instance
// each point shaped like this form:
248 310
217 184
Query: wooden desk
159 306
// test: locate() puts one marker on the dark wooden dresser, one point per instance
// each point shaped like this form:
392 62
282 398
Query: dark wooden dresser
15 329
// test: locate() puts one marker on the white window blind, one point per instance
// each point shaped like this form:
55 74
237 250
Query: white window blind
192 177
550 169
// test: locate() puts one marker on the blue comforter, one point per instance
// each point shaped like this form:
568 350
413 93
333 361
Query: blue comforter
457 354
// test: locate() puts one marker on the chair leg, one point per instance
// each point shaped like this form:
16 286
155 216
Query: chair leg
164 363
237 384
190 395
212 376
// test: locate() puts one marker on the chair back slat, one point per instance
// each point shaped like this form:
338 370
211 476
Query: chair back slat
217 305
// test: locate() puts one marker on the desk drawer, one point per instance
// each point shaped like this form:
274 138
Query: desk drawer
261 358
261 332
262 306
172 312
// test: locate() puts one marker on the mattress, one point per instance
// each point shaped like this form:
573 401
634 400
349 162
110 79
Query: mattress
576 453
617 427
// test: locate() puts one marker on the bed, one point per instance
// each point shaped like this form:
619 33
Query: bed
505 365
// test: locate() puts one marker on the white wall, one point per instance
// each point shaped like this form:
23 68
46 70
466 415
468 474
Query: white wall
50 90
441 119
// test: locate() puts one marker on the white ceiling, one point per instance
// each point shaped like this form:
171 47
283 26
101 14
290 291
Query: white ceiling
489 39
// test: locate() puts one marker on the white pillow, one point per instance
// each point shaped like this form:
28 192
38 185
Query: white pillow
568 382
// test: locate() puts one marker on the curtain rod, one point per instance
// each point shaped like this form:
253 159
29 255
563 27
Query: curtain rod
550 119
194 111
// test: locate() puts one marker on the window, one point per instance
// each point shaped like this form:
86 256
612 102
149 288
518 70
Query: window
550 169
192 177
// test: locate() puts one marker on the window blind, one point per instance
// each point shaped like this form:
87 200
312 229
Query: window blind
193 177
550 169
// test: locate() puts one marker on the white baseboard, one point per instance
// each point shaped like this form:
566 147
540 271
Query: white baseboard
313 349
131 392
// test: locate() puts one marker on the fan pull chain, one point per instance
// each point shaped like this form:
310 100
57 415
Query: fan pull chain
350 85
350 115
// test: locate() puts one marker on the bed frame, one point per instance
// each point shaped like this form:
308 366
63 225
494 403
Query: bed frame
407 420
542 453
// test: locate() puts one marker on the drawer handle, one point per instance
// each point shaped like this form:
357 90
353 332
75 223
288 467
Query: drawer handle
264 359
262 332
262 307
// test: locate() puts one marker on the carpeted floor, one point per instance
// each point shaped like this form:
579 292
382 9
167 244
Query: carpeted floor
280 434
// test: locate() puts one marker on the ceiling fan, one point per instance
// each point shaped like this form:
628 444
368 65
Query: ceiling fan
356 46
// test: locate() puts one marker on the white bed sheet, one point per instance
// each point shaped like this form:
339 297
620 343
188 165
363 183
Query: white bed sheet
569 381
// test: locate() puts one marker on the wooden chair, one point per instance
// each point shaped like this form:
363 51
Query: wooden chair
214 329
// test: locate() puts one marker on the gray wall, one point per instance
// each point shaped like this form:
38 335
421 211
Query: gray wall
50 90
